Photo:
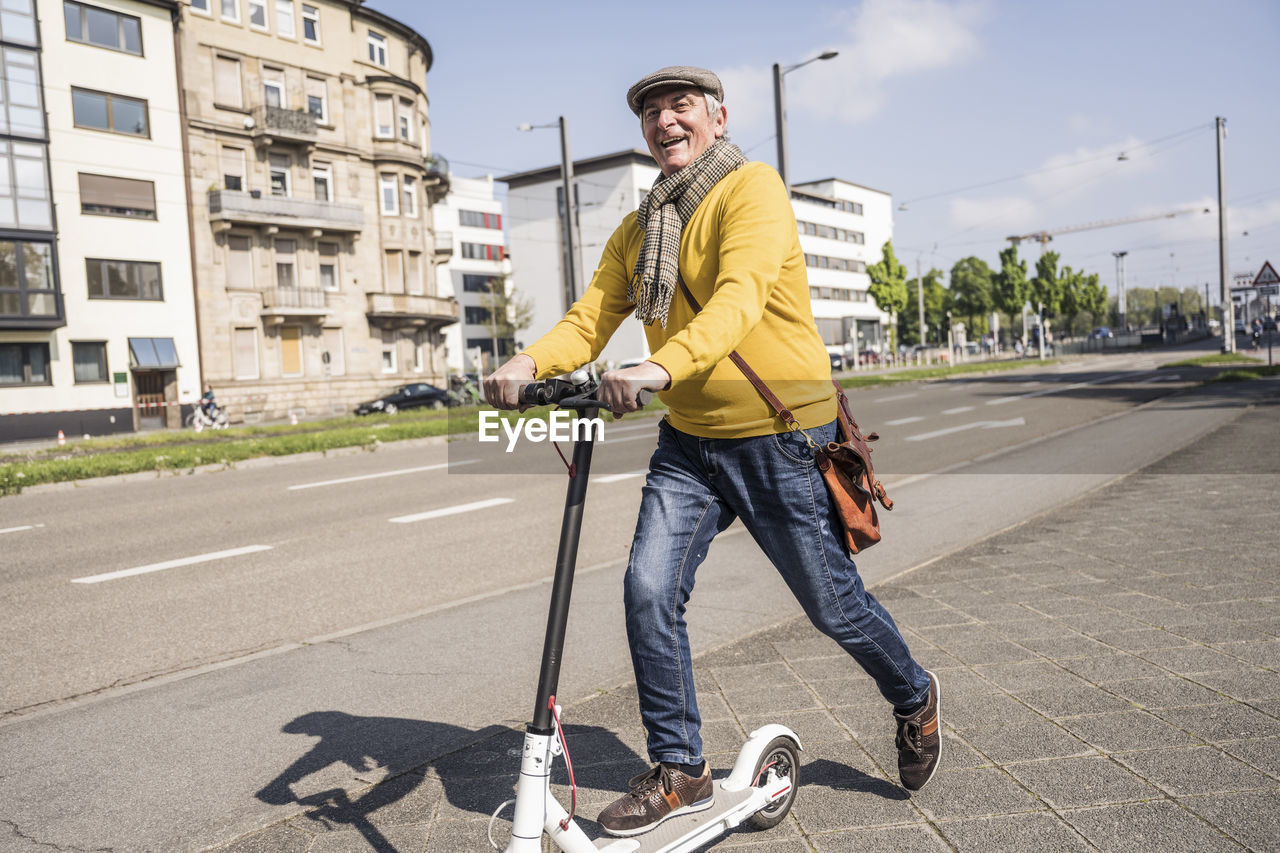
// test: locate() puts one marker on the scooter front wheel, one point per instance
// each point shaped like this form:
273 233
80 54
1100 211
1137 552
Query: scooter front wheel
781 756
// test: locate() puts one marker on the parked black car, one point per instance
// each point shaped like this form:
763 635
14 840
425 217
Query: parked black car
406 397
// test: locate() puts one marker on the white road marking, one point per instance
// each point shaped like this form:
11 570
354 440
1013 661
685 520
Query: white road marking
925 436
380 474
651 436
173 564
957 410
901 421
613 478
23 527
1165 378
451 510
894 397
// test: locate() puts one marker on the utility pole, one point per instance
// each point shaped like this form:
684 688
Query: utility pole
1228 309
780 125
920 299
1120 295
566 174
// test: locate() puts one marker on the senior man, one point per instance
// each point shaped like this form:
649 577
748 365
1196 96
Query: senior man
727 228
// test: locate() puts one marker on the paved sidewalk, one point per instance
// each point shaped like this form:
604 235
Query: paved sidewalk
1110 677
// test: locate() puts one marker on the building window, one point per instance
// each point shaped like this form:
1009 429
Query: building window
404 120
233 168
89 360
395 275
318 99
291 350
244 353
284 19
22 112
322 180
24 364
239 261
383 105
24 187
273 87
337 354
18 22
476 283
328 265
27 287
482 251
258 14
377 49
124 279
278 165
227 90
476 219
410 197
413 273
103 195
201 6
105 111
286 255
388 351
476 315
311 23
103 28
387 190
231 11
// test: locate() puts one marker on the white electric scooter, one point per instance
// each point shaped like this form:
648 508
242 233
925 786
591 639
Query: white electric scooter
759 790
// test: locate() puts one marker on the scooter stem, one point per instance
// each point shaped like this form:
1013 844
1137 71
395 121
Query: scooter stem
562 587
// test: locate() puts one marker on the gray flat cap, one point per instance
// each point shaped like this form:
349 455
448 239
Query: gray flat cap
674 75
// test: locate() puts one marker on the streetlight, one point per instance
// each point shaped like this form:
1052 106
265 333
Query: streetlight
1121 320
780 111
566 175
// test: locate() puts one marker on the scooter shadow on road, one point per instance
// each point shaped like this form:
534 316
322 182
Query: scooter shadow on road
476 771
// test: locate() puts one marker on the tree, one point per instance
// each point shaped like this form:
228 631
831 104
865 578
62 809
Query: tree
1009 286
888 285
971 289
507 313
1046 287
1093 299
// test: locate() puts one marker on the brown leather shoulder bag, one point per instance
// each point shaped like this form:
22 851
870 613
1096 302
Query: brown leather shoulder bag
845 463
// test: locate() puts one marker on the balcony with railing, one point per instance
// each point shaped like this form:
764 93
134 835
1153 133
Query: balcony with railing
278 126
281 304
407 309
444 245
253 208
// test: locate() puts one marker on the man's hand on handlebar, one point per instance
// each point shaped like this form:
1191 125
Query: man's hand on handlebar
619 389
502 387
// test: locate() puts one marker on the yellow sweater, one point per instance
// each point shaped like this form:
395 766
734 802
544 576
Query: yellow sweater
740 256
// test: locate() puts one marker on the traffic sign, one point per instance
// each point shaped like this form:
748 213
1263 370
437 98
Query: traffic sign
1266 275
1269 290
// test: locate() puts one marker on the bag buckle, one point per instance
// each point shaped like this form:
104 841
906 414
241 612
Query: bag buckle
794 426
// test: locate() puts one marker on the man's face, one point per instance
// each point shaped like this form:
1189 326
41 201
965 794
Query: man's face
678 128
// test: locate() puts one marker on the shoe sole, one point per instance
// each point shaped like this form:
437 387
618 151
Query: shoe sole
700 806
937 712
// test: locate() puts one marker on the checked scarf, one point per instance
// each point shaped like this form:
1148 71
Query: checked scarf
663 215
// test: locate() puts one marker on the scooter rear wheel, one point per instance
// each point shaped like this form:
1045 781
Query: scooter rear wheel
781 752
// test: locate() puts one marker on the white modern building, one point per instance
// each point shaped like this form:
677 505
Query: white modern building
474 217
97 310
843 228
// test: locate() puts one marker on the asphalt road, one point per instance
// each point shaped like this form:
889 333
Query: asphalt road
165 641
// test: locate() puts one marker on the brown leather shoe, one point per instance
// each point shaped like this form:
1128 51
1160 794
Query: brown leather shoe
919 741
655 795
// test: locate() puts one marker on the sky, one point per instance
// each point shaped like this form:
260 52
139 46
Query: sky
986 118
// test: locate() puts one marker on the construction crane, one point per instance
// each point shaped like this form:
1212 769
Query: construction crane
1043 237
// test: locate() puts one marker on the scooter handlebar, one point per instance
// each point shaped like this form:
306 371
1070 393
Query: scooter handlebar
567 395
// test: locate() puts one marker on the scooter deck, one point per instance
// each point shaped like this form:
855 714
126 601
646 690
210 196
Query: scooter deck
667 835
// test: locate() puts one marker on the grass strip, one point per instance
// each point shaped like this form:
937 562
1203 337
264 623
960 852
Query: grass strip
1212 360
1243 374
915 374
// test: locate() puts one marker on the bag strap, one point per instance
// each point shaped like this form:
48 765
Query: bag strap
752 377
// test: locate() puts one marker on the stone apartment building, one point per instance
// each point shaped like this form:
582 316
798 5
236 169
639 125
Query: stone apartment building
311 191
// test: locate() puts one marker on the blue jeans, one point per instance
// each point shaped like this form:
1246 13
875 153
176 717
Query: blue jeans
695 488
